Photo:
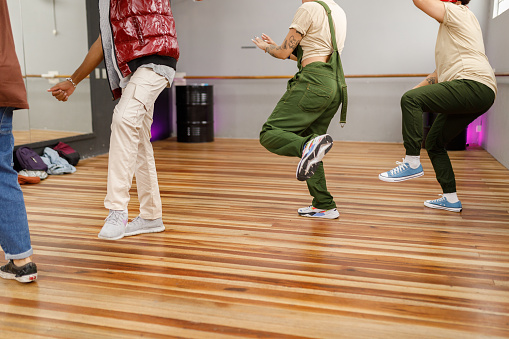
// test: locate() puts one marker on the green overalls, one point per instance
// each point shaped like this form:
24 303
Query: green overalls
305 111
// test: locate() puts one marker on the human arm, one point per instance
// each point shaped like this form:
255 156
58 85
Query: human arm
434 8
63 90
430 80
284 51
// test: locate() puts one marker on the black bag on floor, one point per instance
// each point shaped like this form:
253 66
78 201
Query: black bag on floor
68 153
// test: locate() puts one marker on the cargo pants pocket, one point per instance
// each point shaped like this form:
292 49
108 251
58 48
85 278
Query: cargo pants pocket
316 98
138 105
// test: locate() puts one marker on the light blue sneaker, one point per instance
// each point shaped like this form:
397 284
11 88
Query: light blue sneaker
401 173
444 204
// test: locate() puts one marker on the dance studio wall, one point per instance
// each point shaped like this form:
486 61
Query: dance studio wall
384 37
496 121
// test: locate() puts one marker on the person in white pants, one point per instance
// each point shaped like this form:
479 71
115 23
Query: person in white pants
130 152
138 43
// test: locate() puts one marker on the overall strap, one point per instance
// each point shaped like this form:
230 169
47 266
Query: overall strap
341 78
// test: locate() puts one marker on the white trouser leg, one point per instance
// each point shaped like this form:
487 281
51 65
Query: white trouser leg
146 175
131 123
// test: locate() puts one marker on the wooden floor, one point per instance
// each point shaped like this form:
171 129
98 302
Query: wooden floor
237 262
36 135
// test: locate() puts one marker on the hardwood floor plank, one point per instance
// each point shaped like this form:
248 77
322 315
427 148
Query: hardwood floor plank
237 261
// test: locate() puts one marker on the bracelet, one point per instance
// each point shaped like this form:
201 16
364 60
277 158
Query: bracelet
72 82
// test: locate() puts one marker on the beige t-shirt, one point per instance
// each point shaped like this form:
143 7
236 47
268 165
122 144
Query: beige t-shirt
312 22
459 51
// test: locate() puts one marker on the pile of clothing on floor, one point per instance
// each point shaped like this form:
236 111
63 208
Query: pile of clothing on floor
32 167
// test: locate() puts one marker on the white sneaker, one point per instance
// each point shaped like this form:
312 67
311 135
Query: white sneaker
114 227
140 225
314 151
313 212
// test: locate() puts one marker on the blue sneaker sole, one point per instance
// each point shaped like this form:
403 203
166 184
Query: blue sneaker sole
394 179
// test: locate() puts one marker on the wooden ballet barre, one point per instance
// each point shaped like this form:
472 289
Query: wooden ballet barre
242 77
353 76
237 77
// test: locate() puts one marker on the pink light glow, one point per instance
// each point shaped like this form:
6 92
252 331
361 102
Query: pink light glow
474 137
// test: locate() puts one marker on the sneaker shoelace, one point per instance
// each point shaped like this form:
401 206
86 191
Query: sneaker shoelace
442 199
401 167
116 217
136 221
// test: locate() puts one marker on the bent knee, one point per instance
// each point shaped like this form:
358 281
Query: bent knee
407 98
263 138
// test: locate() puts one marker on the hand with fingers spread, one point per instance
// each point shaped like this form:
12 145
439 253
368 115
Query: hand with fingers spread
268 40
284 51
260 43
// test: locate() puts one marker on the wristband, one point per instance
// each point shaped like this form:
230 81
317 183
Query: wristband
72 82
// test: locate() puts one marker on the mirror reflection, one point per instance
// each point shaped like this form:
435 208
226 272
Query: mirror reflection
50 38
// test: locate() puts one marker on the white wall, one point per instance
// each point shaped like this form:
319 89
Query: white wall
496 121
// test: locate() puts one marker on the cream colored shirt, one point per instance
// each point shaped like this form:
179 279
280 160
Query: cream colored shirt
459 51
312 22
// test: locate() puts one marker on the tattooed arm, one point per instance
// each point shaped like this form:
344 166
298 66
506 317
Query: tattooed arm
430 80
284 51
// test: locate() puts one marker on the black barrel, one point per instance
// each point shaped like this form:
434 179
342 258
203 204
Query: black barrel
195 113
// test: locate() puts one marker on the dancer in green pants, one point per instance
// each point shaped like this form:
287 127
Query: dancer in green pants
462 88
298 125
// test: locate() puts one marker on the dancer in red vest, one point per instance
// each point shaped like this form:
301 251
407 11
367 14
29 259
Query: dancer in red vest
138 44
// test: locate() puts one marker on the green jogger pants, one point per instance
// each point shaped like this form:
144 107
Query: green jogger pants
458 103
304 112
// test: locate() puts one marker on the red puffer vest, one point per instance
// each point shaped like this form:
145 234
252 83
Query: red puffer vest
141 28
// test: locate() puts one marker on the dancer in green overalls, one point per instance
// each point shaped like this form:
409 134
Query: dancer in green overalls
298 125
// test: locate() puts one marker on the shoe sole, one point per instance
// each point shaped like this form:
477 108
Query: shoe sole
313 159
438 207
307 212
386 179
309 215
115 238
150 230
24 279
